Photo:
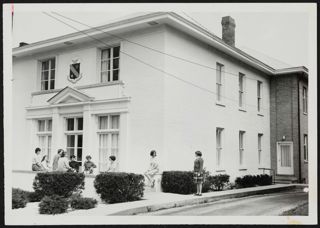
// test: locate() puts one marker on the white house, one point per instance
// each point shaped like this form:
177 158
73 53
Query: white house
154 81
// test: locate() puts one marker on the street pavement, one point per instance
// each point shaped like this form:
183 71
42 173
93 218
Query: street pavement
270 204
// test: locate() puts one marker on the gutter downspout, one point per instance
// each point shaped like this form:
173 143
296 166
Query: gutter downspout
299 139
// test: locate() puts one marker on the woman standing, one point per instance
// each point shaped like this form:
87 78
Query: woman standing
198 172
112 164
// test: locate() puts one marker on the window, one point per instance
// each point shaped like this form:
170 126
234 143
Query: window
241 147
259 147
74 133
241 90
108 133
219 81
219 146
305 147
259 95
304 100
110 64
48 74
44 134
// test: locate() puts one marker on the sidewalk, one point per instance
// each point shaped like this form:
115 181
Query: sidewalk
153 201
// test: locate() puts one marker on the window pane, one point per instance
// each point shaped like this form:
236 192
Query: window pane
104 77
41 125
45 65
103 122
49 125
42 143
116 51
105 54
79 140
52 74
46 85
79 154
70 140
51 84
115 75
114 144
70 152
80 123
70 124
53 63
115 63
104 66
114 122
44 75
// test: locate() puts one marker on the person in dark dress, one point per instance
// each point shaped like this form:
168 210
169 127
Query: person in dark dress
74 164
198 172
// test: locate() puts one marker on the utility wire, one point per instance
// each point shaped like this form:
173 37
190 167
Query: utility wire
150 48
150 65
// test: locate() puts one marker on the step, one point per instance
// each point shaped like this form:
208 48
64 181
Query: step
286 179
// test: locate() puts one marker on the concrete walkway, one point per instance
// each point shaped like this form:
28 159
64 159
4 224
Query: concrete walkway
153 201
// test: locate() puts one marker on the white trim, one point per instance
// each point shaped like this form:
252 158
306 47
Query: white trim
123 99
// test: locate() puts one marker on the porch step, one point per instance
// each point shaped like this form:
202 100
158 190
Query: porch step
279 179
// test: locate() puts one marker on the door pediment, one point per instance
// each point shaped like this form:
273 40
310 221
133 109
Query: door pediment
69 95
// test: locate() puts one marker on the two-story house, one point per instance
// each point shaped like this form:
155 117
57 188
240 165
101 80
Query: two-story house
158 81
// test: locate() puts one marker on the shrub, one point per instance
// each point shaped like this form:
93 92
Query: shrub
217 182
82 203
53 204
58 183
178 182
35 196
253 180
119 187
19 198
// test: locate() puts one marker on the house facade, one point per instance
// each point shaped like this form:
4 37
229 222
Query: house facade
157 81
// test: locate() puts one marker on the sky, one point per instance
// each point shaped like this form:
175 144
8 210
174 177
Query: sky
280 32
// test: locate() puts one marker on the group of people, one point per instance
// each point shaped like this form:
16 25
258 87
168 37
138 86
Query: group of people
63 164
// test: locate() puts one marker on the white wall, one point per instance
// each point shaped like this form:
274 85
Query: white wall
192 116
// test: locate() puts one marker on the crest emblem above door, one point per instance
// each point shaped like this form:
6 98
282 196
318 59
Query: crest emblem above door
74 73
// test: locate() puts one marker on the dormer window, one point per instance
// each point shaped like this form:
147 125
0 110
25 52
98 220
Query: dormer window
110 59
48 68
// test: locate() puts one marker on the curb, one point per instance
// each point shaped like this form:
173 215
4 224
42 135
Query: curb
203 199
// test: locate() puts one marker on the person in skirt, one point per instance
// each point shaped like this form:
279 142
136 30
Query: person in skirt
198 172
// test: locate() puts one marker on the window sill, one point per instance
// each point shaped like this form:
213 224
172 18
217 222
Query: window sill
220 171
304 113
242 110
220 104
306 162
243 169
260 114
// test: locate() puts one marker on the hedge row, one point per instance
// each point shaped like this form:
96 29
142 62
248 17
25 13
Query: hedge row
119 187
182 182
253 180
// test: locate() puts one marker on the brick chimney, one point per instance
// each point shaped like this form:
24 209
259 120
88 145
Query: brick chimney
228 30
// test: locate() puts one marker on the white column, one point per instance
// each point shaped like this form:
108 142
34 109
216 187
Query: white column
33 143
87 136
123 156
57 132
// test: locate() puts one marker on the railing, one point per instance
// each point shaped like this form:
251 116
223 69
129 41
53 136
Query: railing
272 171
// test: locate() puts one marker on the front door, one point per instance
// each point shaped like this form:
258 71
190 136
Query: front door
285 158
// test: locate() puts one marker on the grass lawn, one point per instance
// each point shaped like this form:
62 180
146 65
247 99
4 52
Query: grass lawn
299 210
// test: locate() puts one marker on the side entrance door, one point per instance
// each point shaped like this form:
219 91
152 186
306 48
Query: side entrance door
285 158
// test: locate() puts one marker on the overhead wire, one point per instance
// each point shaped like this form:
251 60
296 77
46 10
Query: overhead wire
150 65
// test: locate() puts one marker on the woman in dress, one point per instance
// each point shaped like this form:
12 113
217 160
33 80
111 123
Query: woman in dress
198 172
153 169
112 164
